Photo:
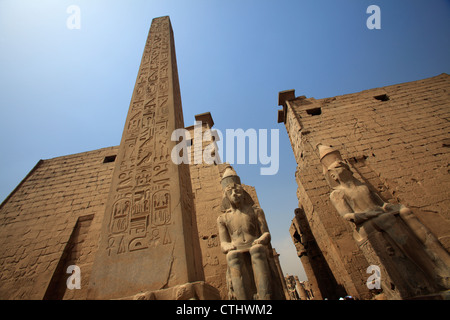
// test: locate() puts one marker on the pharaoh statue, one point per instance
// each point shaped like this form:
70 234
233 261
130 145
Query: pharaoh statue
245 239
415 260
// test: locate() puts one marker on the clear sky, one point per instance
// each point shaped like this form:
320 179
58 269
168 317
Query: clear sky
65 91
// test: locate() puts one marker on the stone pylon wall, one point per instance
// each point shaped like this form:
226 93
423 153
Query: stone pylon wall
52 220
396 140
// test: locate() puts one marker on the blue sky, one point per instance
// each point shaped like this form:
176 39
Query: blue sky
67 91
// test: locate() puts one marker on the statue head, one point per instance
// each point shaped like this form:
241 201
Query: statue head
234 193
328 155
339 171
335 169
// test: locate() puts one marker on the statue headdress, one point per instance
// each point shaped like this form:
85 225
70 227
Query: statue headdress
229 177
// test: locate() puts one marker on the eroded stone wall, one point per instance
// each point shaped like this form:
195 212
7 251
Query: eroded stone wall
38 223
396 140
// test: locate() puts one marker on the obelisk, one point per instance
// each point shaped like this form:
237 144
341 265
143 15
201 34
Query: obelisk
148 237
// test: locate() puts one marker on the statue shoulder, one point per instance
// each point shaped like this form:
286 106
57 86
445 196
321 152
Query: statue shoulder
338 200
257 209
223 217
337 196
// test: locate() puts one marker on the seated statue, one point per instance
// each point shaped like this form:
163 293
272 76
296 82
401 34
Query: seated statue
244 238
407 243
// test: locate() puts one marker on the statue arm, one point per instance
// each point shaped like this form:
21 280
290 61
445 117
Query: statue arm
377 199
265 234
343 208
338 200
386 206
225 240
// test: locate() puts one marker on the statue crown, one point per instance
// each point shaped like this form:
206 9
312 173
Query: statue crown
229 177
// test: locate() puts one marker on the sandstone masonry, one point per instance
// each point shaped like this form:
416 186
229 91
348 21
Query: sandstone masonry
396 139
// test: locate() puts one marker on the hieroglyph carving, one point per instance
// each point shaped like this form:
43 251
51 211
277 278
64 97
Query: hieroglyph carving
141 215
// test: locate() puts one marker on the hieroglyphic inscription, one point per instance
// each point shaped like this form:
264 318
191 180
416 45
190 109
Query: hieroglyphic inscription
120 216
141 214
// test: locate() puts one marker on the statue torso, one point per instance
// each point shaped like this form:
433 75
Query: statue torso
242 225
359 198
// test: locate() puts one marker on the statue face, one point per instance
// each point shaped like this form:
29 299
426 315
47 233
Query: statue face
235 193
339 171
